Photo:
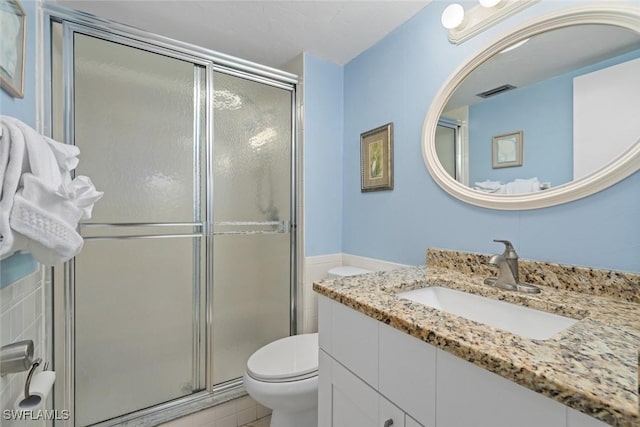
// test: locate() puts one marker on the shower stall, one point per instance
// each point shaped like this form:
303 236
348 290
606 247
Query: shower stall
189 260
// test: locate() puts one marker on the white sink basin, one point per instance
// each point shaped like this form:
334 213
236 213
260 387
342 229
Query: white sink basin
519 320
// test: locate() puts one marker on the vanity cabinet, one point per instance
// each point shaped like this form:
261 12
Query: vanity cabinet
371 372
354 403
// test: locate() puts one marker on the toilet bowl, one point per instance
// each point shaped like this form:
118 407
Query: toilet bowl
283 375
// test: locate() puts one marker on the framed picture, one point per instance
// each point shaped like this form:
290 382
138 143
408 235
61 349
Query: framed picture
507 150
376 159
13 27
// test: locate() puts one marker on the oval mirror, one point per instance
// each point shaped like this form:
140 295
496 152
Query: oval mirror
546 115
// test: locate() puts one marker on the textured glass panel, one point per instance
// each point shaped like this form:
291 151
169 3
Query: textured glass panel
252 151
445 148
134 322
134 124
250 299
252 174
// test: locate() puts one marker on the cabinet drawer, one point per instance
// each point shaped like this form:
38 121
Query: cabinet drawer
324 323
354 403
408 373
471 396
354 342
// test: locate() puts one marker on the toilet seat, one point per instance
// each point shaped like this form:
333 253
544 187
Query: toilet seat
288 359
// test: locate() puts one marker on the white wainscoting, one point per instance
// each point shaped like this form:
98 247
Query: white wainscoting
317 267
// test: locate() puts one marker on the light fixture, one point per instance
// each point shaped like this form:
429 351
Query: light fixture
463 25
453 16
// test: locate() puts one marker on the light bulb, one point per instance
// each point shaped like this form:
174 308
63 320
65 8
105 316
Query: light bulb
453 16
491 3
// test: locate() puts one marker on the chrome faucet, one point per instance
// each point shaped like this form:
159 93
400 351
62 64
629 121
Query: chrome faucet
508 277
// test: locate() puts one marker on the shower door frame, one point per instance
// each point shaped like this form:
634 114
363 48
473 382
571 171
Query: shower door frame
74 21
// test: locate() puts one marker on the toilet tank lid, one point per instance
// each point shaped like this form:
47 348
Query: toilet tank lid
347 270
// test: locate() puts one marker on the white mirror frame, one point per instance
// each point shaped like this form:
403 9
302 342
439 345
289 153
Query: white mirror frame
626 15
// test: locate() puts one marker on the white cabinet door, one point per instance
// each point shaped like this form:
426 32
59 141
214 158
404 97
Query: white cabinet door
408 373
389 414
353 403
469 396
410 422
324 389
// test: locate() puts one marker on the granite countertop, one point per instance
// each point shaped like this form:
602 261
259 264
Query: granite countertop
591 366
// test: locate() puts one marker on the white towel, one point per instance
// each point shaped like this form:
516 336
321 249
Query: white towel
520 186
47 218
12 143
490 187
40 205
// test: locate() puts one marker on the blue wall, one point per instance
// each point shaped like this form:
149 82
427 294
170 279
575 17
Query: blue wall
545 114
20 265
396 81
323 94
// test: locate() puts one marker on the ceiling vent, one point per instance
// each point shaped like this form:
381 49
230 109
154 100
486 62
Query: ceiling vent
495 91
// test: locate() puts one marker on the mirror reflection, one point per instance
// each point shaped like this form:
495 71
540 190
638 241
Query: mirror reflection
569 95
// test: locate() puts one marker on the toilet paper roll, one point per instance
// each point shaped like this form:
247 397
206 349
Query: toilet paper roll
41 385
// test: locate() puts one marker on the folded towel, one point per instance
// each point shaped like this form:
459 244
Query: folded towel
47 218
495 187
520 186
489 185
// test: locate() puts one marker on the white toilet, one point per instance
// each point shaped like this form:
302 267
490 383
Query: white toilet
283 375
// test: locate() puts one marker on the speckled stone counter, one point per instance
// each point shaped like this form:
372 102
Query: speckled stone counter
591 366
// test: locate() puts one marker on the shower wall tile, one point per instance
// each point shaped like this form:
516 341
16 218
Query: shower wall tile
22 317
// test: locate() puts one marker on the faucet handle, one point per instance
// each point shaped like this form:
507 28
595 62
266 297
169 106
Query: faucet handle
509 251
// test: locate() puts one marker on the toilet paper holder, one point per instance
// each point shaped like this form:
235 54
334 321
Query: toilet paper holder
27 384
18 357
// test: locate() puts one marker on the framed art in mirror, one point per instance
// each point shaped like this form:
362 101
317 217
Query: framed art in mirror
376 159
13 25
506 150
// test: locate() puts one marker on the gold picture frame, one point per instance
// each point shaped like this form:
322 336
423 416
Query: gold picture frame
376 159
506 150
13 27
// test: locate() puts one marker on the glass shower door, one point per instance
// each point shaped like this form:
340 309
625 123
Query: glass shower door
139 280
252 175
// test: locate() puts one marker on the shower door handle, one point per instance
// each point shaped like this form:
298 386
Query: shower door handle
225 228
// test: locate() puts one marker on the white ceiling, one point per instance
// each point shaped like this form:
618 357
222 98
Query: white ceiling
267 32
545 56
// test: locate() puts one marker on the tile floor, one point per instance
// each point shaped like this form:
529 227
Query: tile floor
262 422
244 412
